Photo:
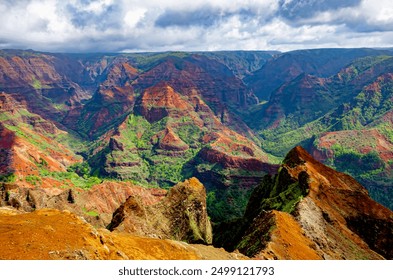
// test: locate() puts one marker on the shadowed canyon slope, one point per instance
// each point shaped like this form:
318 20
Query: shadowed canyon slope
162 145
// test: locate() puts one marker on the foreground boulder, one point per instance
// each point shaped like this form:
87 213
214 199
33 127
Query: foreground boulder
181 215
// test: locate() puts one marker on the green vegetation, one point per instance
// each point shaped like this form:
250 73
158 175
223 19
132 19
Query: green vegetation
34 180
145 61
227 204
36 84
7 178
21 53
302 121
381 192
73 141
26 130
87 125
362 64
386 129
279 141
355 163
90 213
136 155
72 179
284 201
280 192
133 152
256 241
80 168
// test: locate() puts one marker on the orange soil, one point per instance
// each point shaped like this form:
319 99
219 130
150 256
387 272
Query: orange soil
339 196
377 142
288 241
107 196
51 234
164 97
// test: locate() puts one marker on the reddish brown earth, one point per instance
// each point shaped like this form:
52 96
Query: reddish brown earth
336 219
194 91
288 241
363 141
185 107
24 158
107 196
170 141
29 143
201 81
348 212
196 72
160 101
7 141
301 94
37 77
388 118
96 205
108 104
21 71
229 161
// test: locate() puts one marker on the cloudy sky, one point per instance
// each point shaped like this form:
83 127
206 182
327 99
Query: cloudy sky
161 25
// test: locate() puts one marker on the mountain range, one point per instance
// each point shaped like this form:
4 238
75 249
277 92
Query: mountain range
197 146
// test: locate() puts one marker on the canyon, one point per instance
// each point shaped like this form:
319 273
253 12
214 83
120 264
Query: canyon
190 150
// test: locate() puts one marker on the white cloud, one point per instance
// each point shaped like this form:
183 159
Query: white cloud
134 16
115 25
380 12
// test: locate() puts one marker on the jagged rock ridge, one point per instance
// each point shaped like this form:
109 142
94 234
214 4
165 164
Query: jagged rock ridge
181 215
310 208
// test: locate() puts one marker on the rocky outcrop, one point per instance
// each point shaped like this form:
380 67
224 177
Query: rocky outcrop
6 143
160 101
49 234
328 215
181 215
115 145
371 140
277 235
109 105
169 141
41 80
346 209
230 161
96 205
